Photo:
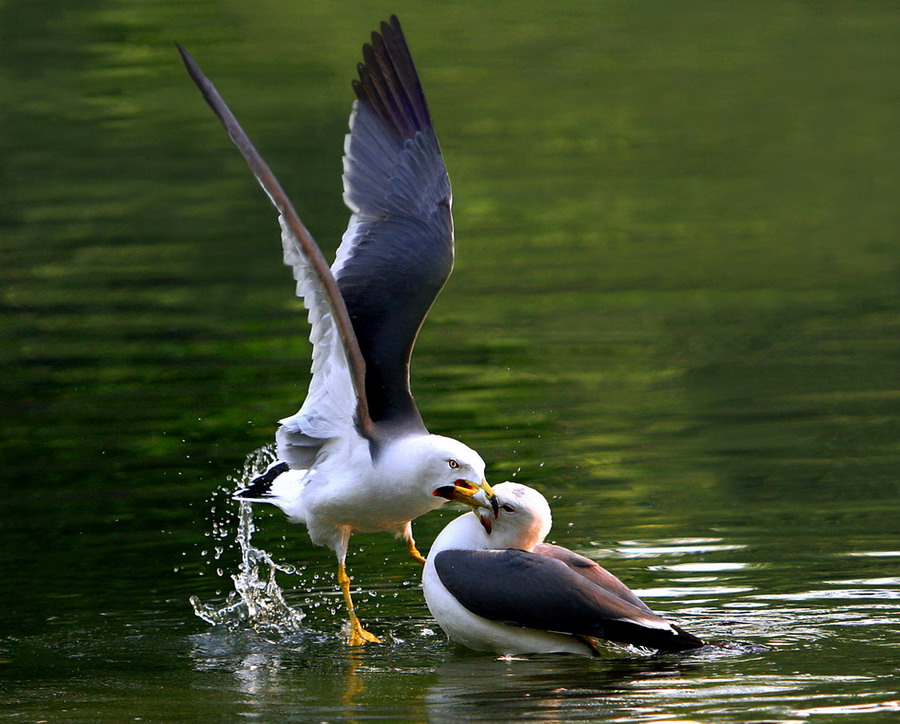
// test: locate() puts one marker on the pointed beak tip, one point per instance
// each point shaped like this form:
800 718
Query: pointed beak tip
476 496
491 497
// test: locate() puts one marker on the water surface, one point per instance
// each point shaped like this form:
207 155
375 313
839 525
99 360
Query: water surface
674 311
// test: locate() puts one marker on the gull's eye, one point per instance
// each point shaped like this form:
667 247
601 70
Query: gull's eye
453 464
508 508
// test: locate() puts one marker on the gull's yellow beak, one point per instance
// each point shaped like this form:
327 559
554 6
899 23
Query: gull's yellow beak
475 495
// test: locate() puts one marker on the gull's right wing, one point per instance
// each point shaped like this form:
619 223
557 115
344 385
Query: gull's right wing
337 395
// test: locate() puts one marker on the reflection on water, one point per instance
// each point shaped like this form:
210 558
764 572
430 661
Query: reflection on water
873 708
674 311
756 638
689 546
646 691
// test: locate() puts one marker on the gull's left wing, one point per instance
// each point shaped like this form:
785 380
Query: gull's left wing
534 591
398 249
592 571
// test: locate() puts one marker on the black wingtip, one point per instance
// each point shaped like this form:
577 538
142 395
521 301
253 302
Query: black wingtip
684 641
389 82
188 61
211 96
240 139
392 28
192 68
650 637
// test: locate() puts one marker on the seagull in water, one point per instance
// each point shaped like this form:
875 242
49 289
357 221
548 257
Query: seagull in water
357 456
494 585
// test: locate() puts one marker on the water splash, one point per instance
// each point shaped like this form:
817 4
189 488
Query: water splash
257 601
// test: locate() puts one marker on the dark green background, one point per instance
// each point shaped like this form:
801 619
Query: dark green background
674 311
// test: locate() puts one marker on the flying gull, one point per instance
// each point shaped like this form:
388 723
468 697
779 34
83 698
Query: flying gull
357 456
493 585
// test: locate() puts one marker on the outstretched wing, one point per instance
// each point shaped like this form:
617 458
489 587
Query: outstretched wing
398 249
337 393
533 591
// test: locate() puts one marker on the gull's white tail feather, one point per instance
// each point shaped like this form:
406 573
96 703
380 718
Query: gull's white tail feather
281 486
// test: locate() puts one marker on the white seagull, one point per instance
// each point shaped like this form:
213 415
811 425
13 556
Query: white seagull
494 585
357 456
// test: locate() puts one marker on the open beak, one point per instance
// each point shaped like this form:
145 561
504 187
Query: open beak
475 495
487 522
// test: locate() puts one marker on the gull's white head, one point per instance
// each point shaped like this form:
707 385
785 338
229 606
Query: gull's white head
523 517
444 469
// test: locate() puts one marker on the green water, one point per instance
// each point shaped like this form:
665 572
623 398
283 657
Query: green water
674 311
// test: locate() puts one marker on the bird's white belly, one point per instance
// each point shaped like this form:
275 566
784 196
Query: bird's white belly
482 634
368 508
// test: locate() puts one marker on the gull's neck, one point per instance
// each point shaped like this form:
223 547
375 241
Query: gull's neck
463 533
466 533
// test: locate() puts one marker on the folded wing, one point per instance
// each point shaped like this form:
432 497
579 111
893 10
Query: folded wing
534 591
592 571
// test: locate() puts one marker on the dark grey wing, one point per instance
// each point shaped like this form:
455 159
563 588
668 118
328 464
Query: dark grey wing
526 589
397 251
338 383
592 571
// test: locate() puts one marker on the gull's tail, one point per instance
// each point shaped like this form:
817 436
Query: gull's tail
279 485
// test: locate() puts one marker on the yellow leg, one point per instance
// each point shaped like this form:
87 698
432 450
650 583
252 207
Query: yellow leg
411 545
414 552
358 635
